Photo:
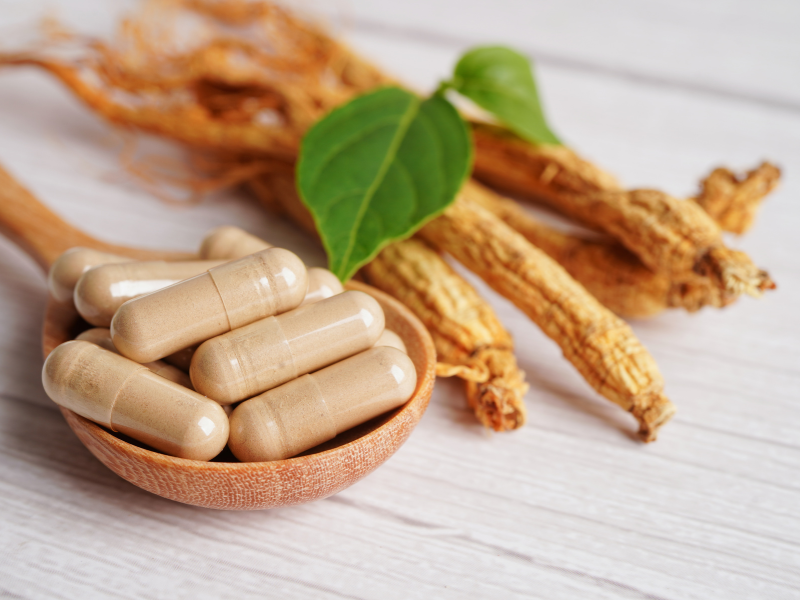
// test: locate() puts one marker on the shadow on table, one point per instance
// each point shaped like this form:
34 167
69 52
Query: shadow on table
47 459
588 404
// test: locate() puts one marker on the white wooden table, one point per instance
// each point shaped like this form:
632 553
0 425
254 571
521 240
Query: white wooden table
570 506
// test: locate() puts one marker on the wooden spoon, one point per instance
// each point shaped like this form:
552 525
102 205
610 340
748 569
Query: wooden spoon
319 473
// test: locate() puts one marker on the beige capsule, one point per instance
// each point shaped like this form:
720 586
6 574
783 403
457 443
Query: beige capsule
226 297
182 358
315 408
103 289
68 268
391 339
321 284
126 397
101 336
267 353
229 242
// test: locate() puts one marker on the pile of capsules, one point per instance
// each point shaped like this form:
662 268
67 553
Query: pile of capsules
299 358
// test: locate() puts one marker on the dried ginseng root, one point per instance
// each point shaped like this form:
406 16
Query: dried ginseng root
611 273
598 343
222 75
731 200
471 343
187 122
205 99
263 112
506 162
672 236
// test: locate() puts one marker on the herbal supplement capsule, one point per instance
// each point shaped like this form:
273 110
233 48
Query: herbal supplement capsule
68 268
101 336
182 358
315 408
321 284
265 354
226 297
103 289
228 243
390 338
126 397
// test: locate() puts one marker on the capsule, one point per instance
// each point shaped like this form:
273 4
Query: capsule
68 268
391 339
226 297
321 284
265 354
103 289
228 243
101 336
315 408
126 397
182 358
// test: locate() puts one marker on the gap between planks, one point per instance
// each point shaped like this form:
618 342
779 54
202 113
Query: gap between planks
431 38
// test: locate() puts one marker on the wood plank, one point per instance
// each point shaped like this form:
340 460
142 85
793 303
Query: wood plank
738 49
569 506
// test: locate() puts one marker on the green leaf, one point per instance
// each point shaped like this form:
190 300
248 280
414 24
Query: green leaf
500 81
378 168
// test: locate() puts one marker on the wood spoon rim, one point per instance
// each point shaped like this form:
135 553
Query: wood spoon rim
236 486
303 478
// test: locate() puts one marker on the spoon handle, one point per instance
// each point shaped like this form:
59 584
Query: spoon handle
43 235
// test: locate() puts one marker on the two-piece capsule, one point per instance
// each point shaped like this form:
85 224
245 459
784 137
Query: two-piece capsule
320 287
391 339
101 336
313 409
229 243
269 352
103 289
182 358
226 297
125 396
68 268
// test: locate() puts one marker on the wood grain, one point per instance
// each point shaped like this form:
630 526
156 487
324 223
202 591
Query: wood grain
567 507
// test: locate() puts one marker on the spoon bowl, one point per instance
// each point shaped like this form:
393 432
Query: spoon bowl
316 474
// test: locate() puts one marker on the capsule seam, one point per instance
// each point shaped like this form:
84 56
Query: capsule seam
295 374
243 387
119 391
270 296
329 418
222 299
